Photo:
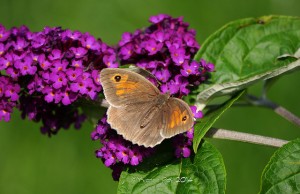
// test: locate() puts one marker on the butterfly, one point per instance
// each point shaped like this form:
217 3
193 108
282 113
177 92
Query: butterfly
139 111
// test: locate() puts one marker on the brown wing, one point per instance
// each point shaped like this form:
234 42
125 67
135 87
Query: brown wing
128 122
177 116
122 87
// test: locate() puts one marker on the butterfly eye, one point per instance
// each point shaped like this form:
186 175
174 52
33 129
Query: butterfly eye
184 118
117 78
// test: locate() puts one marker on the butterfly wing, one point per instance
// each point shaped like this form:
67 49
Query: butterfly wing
177 116
122 87
130 122
134 112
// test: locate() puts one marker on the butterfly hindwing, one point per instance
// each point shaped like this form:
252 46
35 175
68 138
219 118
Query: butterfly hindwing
129 124
178 117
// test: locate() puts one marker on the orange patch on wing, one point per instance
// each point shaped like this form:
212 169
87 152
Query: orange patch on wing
126 88
120 92
123 86
176 118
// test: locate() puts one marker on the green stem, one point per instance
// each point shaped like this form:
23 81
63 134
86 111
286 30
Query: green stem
245 137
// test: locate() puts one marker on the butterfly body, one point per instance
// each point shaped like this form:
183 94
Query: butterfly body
139 112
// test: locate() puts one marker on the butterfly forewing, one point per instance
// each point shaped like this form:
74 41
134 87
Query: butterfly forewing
123 87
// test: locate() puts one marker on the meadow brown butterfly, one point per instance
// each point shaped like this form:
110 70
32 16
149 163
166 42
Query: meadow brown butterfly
139 111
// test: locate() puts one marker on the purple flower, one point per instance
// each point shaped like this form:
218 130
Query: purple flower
43 62
9 95
34 56
123 154
5 113
197 114
6 61
73 74
77 63
79 85
162 74
182 151
51 95
178 85
126 51
92 91
59 66
152 46
55 55
4 34
190 69
26 66
158 18
38 40
109 61
14 73
68 96
12 92
20 44
160 36
109 158
76 35
190 134
190 41
90 42
126 37
136 157
207 66
78 52
178 55
101 129
59 79
96 77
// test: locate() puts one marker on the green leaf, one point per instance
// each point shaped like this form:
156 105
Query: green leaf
246 51
202 173
282 174
208 120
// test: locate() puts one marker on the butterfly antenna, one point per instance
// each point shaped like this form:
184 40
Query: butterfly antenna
91 64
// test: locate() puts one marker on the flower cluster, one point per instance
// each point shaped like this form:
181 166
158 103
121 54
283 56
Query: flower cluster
166 49
8 96
53 66
116 151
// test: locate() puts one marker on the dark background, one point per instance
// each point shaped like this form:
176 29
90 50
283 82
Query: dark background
33 163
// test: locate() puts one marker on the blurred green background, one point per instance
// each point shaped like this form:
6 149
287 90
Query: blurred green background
33 163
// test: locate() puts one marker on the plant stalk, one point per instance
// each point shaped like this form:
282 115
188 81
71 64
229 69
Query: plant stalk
245 137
